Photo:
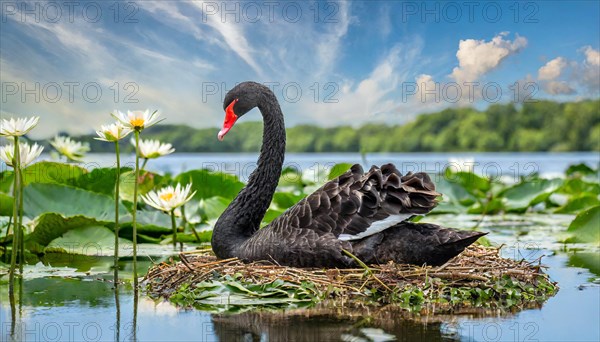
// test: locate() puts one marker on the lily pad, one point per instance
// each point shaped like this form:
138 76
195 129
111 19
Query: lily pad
6 204
284 200
210 184
52 172
100 180
585 227
147 182
523 195
577 204
89 240
39 271
6 181
50 226
211 208
69 201
338 170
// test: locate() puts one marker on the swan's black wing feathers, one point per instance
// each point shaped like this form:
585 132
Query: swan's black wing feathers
351 203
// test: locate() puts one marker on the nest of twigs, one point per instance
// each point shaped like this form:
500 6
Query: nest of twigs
477 267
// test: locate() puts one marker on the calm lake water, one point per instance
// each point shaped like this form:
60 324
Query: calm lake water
84 308
242 164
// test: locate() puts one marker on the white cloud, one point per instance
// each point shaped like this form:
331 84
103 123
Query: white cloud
589 71
549 75
558 88
427 89
374 98
592 57
552 69
478 57
232 33
329 44
562 77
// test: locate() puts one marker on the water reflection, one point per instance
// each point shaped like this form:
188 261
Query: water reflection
117 314
135 312
323 325
93 307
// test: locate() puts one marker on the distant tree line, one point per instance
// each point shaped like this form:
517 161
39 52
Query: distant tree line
539 126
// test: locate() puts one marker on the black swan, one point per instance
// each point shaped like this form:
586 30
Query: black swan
358 214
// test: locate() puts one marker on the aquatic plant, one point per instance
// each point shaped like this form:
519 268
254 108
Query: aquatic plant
152 149
168 199
72 150
17 156
113 133
136 121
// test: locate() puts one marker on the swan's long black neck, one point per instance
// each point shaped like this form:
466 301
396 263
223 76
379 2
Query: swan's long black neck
243 216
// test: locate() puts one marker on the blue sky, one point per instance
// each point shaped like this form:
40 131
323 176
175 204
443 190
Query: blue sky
330 63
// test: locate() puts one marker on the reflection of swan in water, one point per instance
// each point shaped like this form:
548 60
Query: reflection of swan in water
322 325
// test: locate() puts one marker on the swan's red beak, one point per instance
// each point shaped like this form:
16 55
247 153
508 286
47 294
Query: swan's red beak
230 119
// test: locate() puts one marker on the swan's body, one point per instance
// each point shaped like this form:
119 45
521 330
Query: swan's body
362 213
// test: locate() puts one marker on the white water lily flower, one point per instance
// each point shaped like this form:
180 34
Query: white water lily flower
27 153
17 127
169 198
151 149
71 149
137 119
113 132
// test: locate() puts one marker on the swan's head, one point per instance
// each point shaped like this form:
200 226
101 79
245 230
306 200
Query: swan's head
239 101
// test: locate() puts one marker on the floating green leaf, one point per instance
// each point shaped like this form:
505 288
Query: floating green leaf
50 226
270 215
338 170
576 186
68 201
523 195
210 184
89 240
580 169
284 200
6 181
147 182
453 192
100 180
589 261
577 204
52 172
6 204
211 208
471 182
585 227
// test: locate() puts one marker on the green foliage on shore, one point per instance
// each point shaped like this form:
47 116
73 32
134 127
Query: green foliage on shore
538 126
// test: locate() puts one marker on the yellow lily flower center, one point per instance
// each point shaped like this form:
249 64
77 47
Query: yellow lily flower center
166 197
137 122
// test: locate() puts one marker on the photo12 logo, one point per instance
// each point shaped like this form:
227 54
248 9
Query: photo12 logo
269 11
290 92
470 11
69 11
470 92
53 92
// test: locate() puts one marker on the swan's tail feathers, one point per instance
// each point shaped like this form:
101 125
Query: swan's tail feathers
457 242
415 243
